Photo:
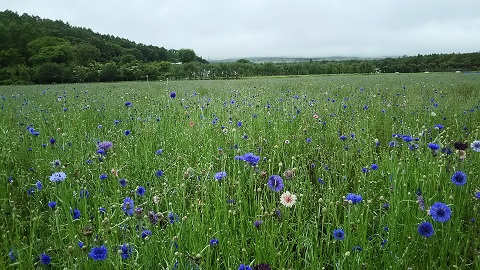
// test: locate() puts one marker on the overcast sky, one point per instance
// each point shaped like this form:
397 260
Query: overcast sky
219 29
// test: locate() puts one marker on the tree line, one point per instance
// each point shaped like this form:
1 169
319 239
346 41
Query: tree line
35 50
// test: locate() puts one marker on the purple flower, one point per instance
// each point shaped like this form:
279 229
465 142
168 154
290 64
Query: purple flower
249 157
339 234
52 204
98 253
433 146
220 175
140 190
105 145
475 146
425 229
127 132
159 173
76 213
440 212
355 198
58 177
45 259
459 178
39 185
173 94
257 223
275 183
125 251
374 167
103 176
128 104
146 233
214 242
420 200
122 182
244 267
128 206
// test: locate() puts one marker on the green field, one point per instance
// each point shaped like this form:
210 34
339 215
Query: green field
367 154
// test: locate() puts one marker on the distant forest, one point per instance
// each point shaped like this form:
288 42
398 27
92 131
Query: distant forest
36 50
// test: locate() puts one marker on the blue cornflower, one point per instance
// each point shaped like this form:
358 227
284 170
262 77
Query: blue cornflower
127 132
52 204
159 173
475 146
56 163
355 198
76 213
122 182
39 185
257 223
58 177
52 140
99 126
105 145
239 124
84 193
440 212
98 253
172 217
101 152
343 137
309 140
407 138
173 94
45 259
214 242
30 191
365 170
153 217
339 234
433 146
459 178
159 151
220 175
357 248
128 104
275 183
125 251
249 157
425 229
477 195
80 244
146 233
384 242
374 167
141 190
438 126
11 255
320 180
128 206
392 144
103 176
244 267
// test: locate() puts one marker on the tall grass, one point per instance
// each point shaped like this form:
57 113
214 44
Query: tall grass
294 125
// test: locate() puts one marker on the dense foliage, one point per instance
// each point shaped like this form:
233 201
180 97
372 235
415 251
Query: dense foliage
35 50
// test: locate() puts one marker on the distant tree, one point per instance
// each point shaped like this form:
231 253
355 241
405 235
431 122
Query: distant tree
186 55
109 72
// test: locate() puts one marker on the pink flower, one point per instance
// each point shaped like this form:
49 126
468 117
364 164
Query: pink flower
288 199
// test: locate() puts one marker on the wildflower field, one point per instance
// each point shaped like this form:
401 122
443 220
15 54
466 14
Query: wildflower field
318 172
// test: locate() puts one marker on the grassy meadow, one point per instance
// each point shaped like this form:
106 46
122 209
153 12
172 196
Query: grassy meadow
195 174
